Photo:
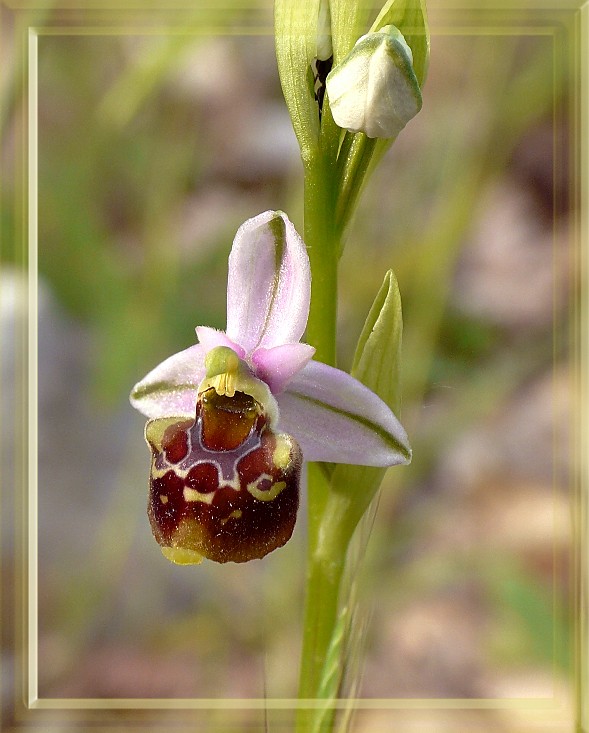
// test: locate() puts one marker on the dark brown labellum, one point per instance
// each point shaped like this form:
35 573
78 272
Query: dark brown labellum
223 486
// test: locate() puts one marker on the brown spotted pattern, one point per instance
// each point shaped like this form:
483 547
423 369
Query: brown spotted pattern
223 485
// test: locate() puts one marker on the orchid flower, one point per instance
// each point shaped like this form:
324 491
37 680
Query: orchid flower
232 417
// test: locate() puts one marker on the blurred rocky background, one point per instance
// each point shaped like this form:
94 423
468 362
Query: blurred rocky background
155 141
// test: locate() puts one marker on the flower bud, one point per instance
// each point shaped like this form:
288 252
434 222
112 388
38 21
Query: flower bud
374 89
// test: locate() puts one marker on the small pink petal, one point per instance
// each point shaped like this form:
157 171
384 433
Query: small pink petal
277 366
209 338
171 388
335 418
269 283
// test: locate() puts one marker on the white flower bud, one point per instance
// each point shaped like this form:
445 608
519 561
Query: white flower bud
374 89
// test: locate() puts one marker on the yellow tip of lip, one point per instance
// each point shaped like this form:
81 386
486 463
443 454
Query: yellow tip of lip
182 556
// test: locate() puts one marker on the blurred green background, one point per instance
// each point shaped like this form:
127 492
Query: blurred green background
159 133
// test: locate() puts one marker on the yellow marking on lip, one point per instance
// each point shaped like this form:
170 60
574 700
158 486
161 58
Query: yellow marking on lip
156 429
163 499
270 493
159 472
236 514
194 495
182 556
183 473
281 455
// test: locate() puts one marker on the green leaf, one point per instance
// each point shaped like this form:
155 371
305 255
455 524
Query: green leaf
295 26
410 17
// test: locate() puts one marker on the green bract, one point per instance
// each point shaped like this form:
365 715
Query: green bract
296 26
378 353
410 17
376 363
324 43
348 21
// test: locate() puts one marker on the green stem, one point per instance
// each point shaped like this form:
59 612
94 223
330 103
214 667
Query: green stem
327 549
324 572
322 248
330 523
325 563
353 165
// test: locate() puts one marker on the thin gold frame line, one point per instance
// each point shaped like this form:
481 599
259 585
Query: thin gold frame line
532 705
32 616
582 608
441 5
91 30
32 503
